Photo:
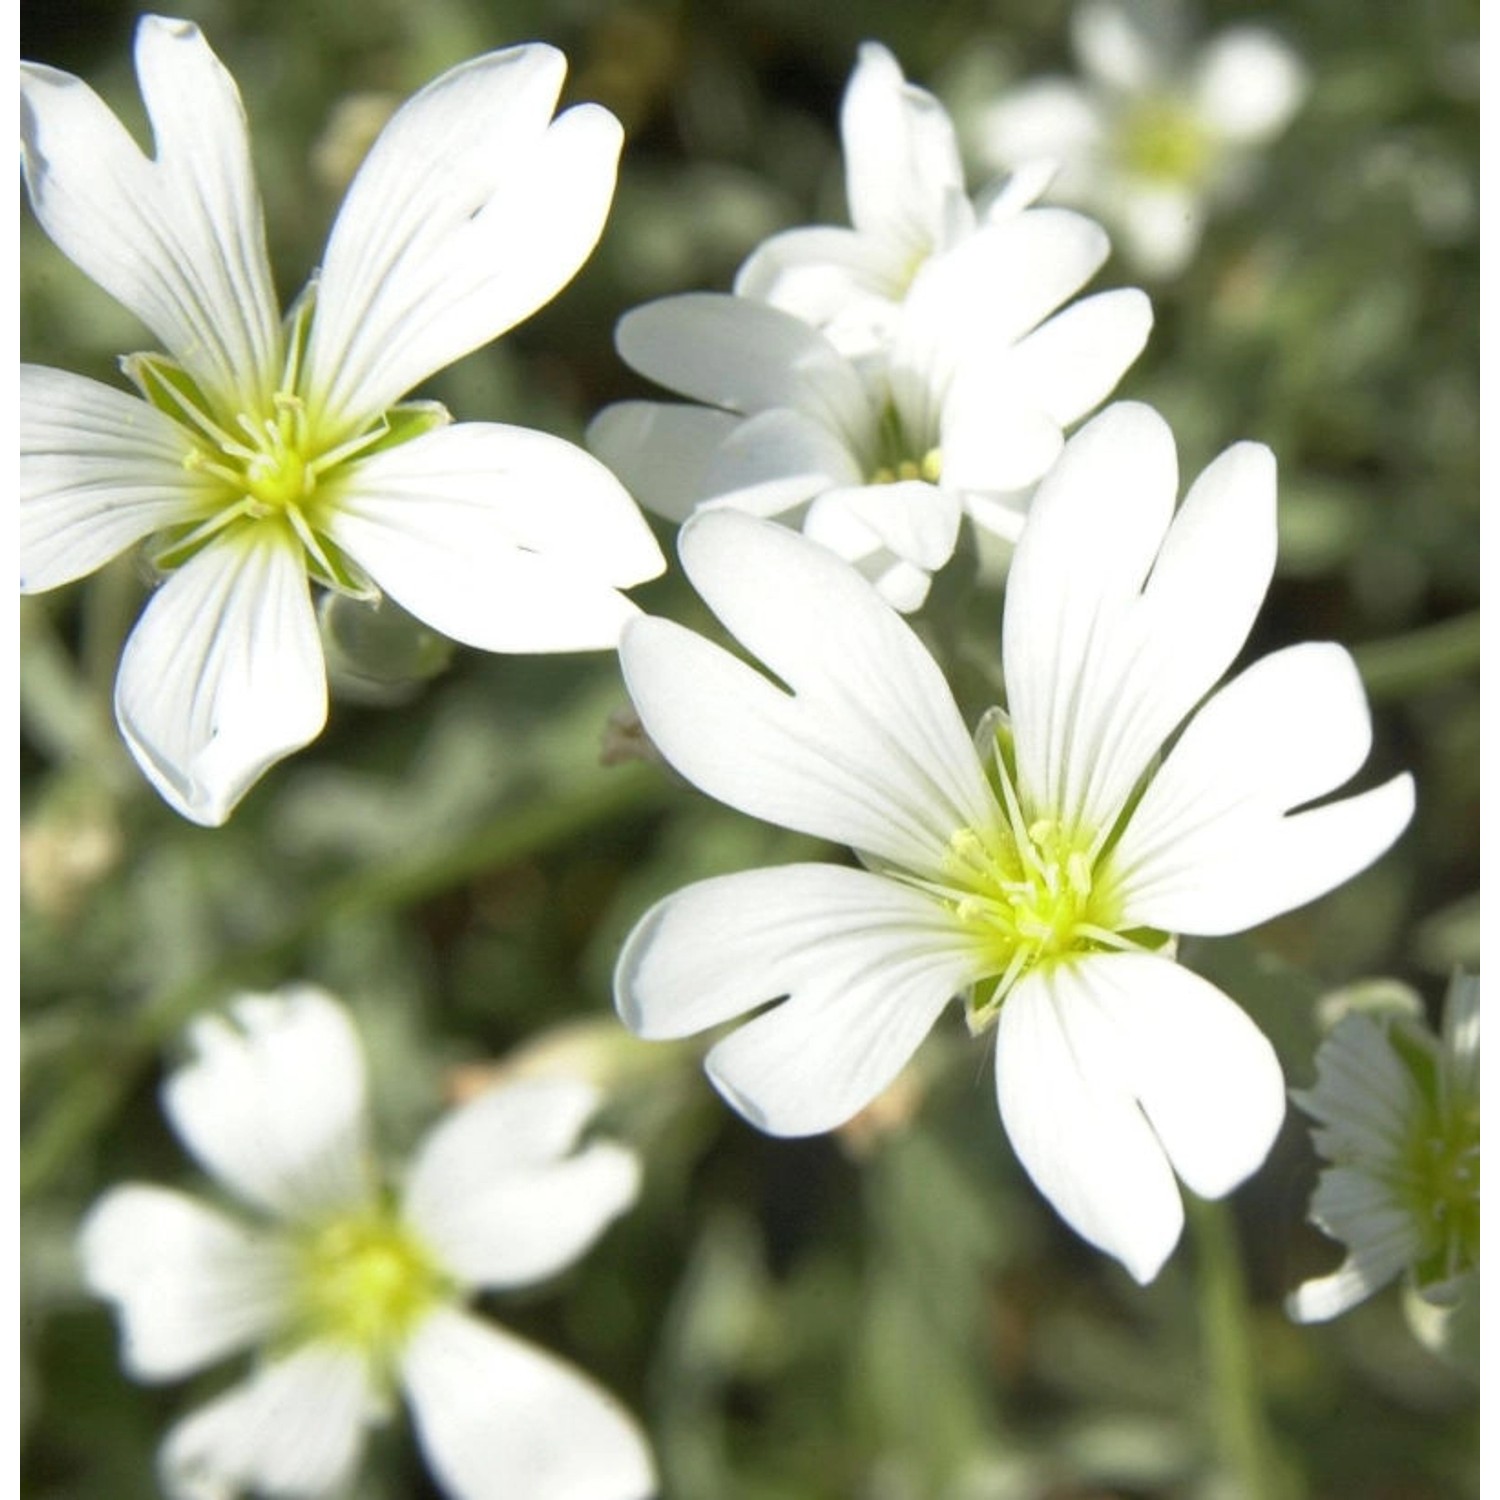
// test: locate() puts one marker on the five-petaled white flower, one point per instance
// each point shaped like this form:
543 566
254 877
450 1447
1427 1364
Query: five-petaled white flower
904 180
1397 1114
264 454
1149 141
1038 876
879 458
351 1292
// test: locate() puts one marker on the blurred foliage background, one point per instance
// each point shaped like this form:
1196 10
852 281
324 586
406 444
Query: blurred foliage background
891 1313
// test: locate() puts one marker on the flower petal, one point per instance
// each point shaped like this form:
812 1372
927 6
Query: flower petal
901 162
273 1103
777 460
868 964
1360 1277
1067 598
994 288
1123 46
812 1063
1210 848
996 437
1074 360
1017 191
178 240
867 749
723 946
1101 662
190 1285
1384 1237
499 1419
473 208
1249 84
223 674
661 451
896 534
912 520
1207 1079
1075 1125
99 470
746 356
295 1428
500 537
1045 120
1460 1072
496 1199
1159 224
840 281
1366 1101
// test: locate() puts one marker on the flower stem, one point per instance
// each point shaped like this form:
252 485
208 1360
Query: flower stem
1240 1433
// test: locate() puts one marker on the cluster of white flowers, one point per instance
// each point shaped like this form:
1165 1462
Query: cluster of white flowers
872 385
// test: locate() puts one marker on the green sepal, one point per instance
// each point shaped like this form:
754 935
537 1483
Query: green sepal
169 388
294 328
342 575
411 419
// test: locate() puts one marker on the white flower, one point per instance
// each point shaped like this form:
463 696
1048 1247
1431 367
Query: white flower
352 1293
264 454
904 180
1397 1114
1149 140
1039 876
880 458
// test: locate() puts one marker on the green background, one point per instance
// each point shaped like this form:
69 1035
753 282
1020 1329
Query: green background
890 1313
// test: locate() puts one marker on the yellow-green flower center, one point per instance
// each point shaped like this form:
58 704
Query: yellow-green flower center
278 470
1164 140
1029 895
928 467
1030 892
366 1281
900 455
276 464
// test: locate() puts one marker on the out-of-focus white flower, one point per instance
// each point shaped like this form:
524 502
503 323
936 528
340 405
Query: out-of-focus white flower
1397 1119
266 454
1040 875
880 458
904 180
1149 140
352 1293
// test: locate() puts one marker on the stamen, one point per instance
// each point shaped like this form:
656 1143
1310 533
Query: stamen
171 397
309 540
178 552
346 450
1028 892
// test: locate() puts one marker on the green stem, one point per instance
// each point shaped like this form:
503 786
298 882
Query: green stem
1240 1432
509 837
1408 663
